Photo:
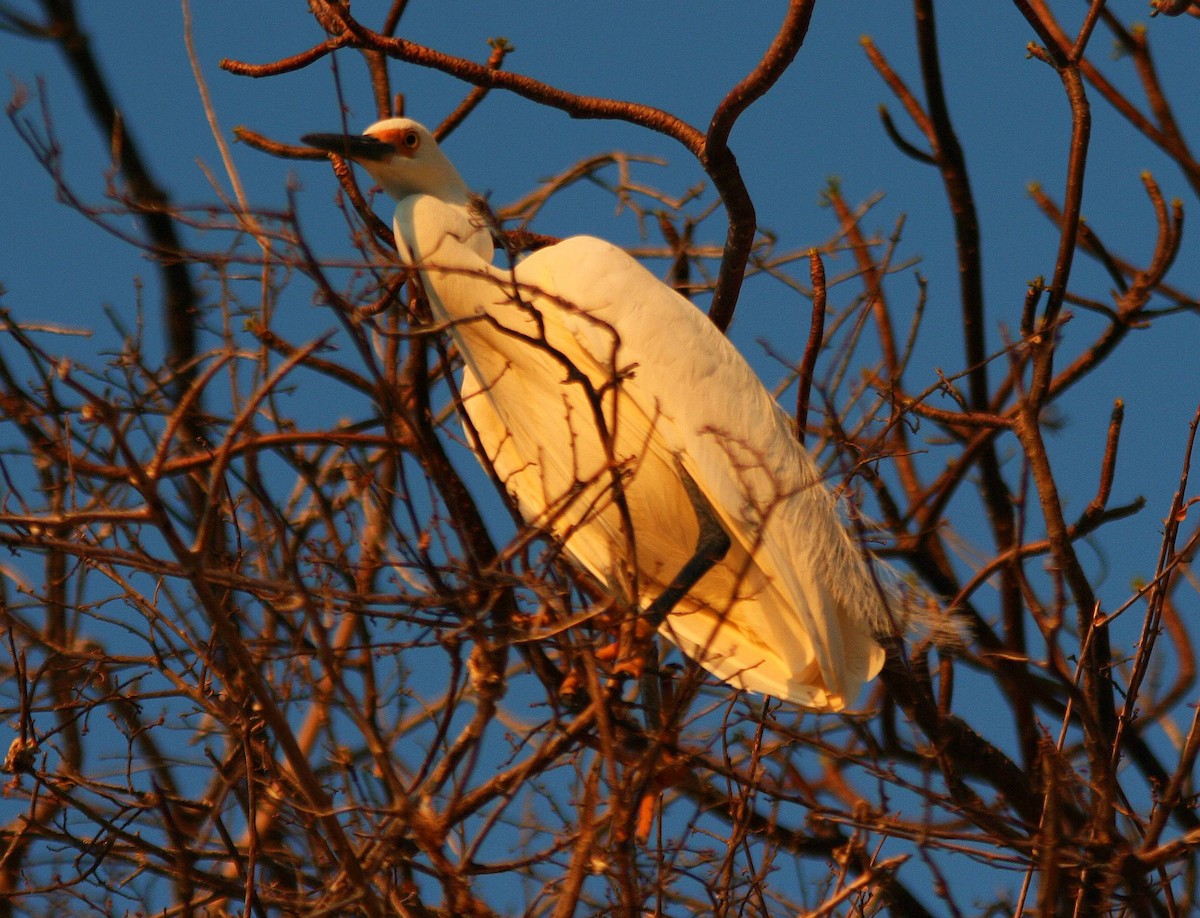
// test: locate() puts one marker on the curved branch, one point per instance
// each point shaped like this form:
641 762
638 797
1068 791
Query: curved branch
719 162
573 104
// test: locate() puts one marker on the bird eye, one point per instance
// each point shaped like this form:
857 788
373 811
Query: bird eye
411 139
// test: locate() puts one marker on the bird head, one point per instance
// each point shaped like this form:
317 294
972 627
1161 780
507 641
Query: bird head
401 155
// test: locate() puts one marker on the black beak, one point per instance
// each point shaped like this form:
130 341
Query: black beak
350 146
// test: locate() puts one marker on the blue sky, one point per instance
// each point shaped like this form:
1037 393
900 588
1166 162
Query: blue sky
820 122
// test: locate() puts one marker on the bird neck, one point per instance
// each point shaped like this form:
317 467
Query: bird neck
431 231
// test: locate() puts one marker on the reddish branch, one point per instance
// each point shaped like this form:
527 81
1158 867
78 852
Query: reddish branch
718 161
934 122
816 337
711 149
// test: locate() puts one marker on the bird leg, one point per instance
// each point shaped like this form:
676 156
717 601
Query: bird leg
712 543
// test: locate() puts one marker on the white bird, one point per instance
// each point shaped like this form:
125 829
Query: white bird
589 381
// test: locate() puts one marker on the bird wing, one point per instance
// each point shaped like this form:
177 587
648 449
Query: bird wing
709 411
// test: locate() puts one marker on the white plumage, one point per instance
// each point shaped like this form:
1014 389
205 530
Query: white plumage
580 363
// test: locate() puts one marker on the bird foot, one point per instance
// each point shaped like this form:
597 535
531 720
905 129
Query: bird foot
631 664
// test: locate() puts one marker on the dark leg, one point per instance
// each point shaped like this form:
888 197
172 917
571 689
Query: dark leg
711 545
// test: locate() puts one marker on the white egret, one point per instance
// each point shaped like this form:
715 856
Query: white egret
601 397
